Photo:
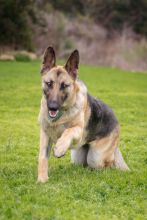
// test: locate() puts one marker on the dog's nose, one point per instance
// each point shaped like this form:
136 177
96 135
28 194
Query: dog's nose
53 105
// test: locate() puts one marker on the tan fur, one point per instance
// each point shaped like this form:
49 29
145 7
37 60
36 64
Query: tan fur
43 157
69 131
101 152
70 127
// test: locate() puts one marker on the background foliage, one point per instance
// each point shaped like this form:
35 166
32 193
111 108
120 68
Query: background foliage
17 17
112 14
14 23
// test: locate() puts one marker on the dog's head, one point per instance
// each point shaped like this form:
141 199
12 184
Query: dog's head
58 82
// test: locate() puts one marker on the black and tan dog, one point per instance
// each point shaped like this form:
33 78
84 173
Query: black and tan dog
72 119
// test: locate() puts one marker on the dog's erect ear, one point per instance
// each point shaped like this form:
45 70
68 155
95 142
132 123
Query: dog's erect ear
73 64
49 60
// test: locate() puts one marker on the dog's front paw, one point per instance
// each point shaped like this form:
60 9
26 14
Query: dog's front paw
42 179
59 152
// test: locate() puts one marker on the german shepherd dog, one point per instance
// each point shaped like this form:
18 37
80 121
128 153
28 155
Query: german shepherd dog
70 118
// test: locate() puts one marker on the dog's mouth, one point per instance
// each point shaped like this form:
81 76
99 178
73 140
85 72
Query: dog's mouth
53 113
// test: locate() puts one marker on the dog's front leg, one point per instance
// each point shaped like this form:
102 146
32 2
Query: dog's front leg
69 136
45 147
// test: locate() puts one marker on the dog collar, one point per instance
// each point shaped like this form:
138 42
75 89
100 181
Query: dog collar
60 113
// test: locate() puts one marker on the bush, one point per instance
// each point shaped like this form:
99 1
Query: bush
113 15
24 56
14 20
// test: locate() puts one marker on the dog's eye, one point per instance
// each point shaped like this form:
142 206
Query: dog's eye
63 86
49 84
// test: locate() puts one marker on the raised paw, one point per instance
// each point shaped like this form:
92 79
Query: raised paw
59 152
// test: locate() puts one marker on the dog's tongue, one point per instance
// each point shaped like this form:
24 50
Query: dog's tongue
53 114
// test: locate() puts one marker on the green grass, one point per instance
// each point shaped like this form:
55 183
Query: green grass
72 192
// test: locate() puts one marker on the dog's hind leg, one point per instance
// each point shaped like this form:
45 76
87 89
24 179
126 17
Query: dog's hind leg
119 161
101 151
79 156
105 153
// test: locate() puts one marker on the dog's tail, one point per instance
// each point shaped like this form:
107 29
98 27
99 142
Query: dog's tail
119 161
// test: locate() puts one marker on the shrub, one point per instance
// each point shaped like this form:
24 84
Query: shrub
15 31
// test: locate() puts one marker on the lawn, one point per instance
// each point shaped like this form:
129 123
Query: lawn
72 192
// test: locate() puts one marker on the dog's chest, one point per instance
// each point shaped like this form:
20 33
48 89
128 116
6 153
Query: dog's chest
55 132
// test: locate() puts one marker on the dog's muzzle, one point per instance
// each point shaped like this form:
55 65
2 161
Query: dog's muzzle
53 109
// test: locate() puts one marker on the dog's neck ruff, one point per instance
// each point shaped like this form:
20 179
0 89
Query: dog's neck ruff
57 117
